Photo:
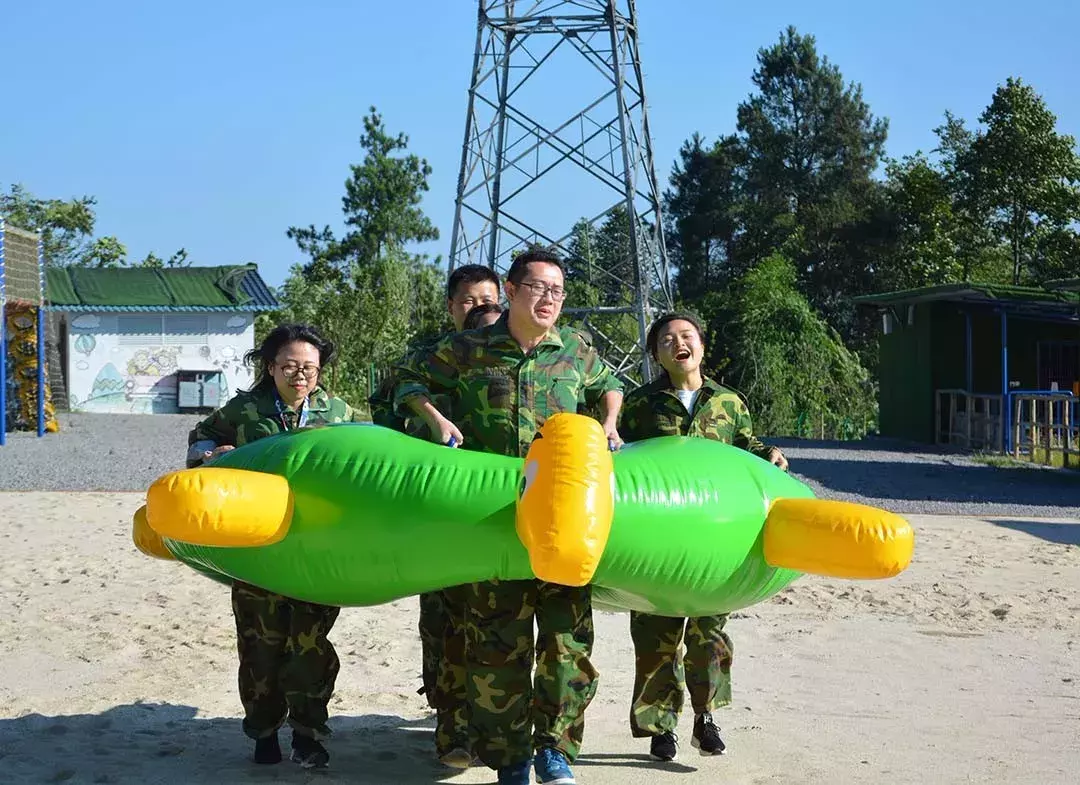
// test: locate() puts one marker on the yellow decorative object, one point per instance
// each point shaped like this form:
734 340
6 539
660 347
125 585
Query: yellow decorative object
837 539
567 500
229 508
23 370
146 539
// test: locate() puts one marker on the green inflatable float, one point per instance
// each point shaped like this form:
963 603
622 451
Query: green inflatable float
355 514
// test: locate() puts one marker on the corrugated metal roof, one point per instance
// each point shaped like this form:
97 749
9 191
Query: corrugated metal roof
230 288
968 292
1030 301
156 308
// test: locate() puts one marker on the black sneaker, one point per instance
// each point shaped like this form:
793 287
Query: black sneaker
664 747
267 749
309 753
707 736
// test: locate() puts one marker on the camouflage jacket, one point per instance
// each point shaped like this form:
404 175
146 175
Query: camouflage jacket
500 395
719 413
252 415
381 402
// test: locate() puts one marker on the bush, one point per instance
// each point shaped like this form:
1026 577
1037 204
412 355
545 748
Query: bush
797 375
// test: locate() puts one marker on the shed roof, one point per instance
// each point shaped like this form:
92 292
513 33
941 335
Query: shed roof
229 288
1032 300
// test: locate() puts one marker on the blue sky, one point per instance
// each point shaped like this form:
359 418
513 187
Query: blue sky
216 126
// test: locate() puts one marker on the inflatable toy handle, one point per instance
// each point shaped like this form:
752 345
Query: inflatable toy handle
452 442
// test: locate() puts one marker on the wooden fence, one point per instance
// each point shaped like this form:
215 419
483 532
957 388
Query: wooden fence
969 420
1044 426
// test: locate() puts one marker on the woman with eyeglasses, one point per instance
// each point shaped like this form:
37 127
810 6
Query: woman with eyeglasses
287 665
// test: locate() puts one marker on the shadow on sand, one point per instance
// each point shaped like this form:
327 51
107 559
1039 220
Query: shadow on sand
1061 533
165 743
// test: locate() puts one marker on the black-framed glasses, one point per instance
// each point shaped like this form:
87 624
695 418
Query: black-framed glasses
539 289
289 370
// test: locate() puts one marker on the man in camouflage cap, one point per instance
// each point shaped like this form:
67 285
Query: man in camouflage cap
683 402
503 382
442 613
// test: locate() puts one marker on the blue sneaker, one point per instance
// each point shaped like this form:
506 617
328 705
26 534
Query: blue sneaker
552 768
518 774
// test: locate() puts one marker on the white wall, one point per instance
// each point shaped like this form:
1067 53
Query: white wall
127 362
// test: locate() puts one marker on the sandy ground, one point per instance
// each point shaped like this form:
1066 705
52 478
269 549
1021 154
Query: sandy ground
121 669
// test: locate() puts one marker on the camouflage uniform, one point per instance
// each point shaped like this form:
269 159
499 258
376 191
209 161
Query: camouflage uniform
500 396
718 413
287 665
442 613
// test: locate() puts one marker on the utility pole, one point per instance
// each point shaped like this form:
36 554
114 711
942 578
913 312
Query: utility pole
582 141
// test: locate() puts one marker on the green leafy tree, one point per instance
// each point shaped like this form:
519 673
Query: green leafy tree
66 228
104 252
927 229
1026 177
365 289
812 146
979 254
703 208
794 369
152 260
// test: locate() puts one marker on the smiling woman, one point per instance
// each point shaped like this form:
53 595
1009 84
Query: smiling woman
286 396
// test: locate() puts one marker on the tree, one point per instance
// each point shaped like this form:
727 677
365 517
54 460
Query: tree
1026 176
66 228
798 376
978 253
926 228
104 252
152 260
703 211
365 289
812 146
381 204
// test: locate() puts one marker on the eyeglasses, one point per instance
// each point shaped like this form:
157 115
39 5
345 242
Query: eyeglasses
290 370
539 289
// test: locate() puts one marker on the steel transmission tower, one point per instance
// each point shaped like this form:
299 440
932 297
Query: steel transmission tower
586 137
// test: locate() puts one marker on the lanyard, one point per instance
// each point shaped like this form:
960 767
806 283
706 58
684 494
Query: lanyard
282 409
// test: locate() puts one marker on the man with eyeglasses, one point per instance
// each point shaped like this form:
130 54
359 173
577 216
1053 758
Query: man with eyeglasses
503 382
442 613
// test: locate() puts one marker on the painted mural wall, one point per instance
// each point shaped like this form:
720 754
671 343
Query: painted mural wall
127 363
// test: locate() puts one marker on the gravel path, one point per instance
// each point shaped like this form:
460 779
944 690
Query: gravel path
128 452
96 452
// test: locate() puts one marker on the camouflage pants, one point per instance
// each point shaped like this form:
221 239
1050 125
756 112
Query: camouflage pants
287 665
442 639
512 714
659 680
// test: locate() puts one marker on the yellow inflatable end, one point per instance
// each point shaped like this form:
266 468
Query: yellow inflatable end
228 508
146 539
837 539
567 500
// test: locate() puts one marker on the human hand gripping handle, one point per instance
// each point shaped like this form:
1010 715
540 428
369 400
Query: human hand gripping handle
614 441
442 430
446 431
209 455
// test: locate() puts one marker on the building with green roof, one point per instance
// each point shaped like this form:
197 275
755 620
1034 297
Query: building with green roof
953 356
154 340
